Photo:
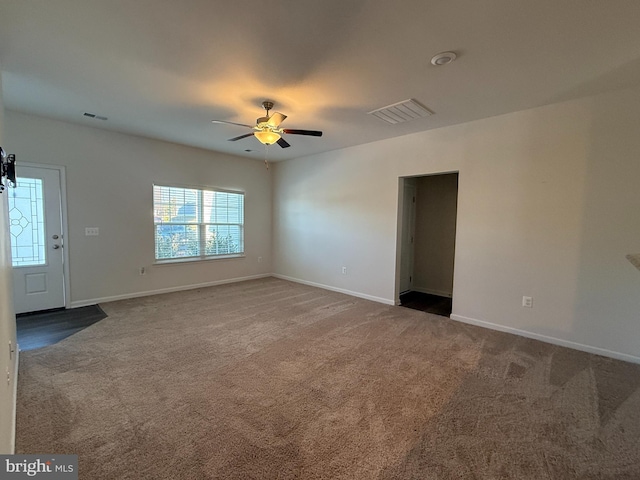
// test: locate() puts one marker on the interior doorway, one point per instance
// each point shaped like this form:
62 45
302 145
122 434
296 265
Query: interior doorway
427 220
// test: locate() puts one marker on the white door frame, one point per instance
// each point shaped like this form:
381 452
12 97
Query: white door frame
399 226
399 230
407 227
65 228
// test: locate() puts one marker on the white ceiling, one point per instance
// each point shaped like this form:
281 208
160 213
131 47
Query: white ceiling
166 68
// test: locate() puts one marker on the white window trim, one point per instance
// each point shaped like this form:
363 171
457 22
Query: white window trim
182 261
201 227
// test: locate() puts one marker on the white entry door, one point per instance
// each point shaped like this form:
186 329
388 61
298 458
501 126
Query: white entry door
35 224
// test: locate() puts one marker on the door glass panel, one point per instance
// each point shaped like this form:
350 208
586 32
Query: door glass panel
26 223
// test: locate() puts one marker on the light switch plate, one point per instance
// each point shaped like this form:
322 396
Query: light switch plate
91 231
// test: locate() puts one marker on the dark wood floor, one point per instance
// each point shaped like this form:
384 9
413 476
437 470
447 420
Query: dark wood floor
426 302
39 329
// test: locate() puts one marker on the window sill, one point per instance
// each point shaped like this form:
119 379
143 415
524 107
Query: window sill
182 261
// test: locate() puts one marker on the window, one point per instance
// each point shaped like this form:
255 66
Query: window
26 223
192 223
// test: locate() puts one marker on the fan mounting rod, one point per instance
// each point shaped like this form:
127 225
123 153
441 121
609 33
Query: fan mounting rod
269 122
267 105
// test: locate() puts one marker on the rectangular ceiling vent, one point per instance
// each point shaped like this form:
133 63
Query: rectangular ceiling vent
401 112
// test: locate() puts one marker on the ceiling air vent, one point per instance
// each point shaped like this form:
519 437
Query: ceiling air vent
401 112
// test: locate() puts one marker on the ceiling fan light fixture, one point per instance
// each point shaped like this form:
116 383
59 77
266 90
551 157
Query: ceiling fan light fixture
267 129
267 137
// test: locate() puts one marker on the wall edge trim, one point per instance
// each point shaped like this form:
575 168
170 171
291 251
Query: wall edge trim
431 291
373 298
547 339
14 420
125 296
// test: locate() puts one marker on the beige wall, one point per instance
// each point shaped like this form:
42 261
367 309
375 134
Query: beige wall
547 207
7 320
435 234
109 180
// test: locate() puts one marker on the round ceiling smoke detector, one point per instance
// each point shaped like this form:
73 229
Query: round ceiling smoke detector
443 58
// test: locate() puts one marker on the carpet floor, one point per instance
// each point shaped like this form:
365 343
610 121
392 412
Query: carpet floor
269 379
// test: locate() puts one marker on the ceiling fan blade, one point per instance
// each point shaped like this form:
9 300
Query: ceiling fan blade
232 123
283 143
313 133
276 119
240 137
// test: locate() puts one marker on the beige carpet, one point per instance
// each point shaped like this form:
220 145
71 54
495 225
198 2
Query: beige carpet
272 380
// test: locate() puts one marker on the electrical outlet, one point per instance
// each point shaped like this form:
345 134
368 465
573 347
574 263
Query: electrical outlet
527 302
91 231
344 270
259 259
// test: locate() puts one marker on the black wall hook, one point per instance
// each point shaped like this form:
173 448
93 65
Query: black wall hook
7 170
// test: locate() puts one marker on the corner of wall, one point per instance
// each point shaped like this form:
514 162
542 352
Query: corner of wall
9 364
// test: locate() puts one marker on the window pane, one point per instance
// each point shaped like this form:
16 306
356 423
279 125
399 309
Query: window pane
177 241
223 207
223 240
26 223
175 205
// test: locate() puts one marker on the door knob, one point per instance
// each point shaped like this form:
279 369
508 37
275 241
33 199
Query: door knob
55 237
55 247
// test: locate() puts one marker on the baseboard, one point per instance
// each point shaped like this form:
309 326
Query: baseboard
472 321
94 301
430 291
14 420
386 301
547 339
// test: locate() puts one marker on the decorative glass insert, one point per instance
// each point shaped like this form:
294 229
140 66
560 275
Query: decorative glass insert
26 223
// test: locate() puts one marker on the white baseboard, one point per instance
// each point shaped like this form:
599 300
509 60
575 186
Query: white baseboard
93 301
386 301
14 419
472 321
430 291
547 339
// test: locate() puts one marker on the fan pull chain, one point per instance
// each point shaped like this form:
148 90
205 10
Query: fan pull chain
266 149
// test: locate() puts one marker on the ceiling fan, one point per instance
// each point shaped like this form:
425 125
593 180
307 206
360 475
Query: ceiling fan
267 128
